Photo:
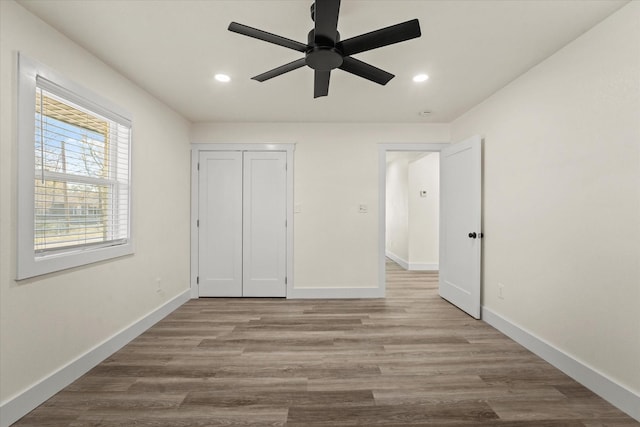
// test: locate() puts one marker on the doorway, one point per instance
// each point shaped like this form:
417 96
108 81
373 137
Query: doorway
460 218
412 209
384 150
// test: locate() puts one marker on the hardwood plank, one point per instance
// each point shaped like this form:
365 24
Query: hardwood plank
452 392
47 416
389 415
234 398
198 417
536 409
115 400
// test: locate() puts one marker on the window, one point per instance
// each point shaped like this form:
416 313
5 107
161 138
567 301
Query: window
73 189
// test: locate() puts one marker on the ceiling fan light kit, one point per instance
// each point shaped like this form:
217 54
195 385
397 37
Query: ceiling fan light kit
325 51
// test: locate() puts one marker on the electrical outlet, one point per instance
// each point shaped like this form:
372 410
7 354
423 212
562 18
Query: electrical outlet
500 291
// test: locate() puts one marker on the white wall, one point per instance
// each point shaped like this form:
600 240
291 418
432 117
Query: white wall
397 214
562 198
336 170
424 215
48 321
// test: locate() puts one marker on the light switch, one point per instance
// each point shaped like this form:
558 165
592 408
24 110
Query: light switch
297 208
423 193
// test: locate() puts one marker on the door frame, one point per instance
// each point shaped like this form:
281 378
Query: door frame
196 149
383 148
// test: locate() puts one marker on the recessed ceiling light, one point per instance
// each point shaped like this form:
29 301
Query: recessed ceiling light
418 78
222 78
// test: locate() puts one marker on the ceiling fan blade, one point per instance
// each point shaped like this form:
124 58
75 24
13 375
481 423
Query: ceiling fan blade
379 38
326 18
362 69
267 37
321 83
280 70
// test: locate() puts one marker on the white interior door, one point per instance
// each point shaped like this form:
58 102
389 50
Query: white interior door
460 225
220 229
264 224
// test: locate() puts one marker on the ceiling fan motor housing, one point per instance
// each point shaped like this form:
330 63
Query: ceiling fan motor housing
323 55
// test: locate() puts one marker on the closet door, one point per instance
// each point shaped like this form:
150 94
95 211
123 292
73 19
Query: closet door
220 230
264 224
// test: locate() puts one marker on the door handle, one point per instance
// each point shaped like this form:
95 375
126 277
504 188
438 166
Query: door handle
473 235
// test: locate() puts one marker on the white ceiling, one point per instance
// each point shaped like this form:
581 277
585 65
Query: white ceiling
172 48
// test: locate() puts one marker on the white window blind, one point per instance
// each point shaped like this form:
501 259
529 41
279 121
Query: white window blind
81 193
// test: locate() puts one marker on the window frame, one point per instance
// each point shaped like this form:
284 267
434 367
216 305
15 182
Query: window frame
28 264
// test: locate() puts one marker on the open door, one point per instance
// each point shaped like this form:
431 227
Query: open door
460 225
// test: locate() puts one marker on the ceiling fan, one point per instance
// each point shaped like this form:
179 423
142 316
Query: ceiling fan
325 51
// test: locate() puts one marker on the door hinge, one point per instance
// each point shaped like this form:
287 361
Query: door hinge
197 280
285 280
198 165
197 223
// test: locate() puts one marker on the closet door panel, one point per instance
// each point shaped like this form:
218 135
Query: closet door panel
220 230
264 224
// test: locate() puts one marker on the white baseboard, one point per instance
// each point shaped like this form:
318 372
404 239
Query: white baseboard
411 266
418 266
334 293
15 408
616 394
395 258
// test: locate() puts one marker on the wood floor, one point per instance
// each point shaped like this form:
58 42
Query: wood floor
411 359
